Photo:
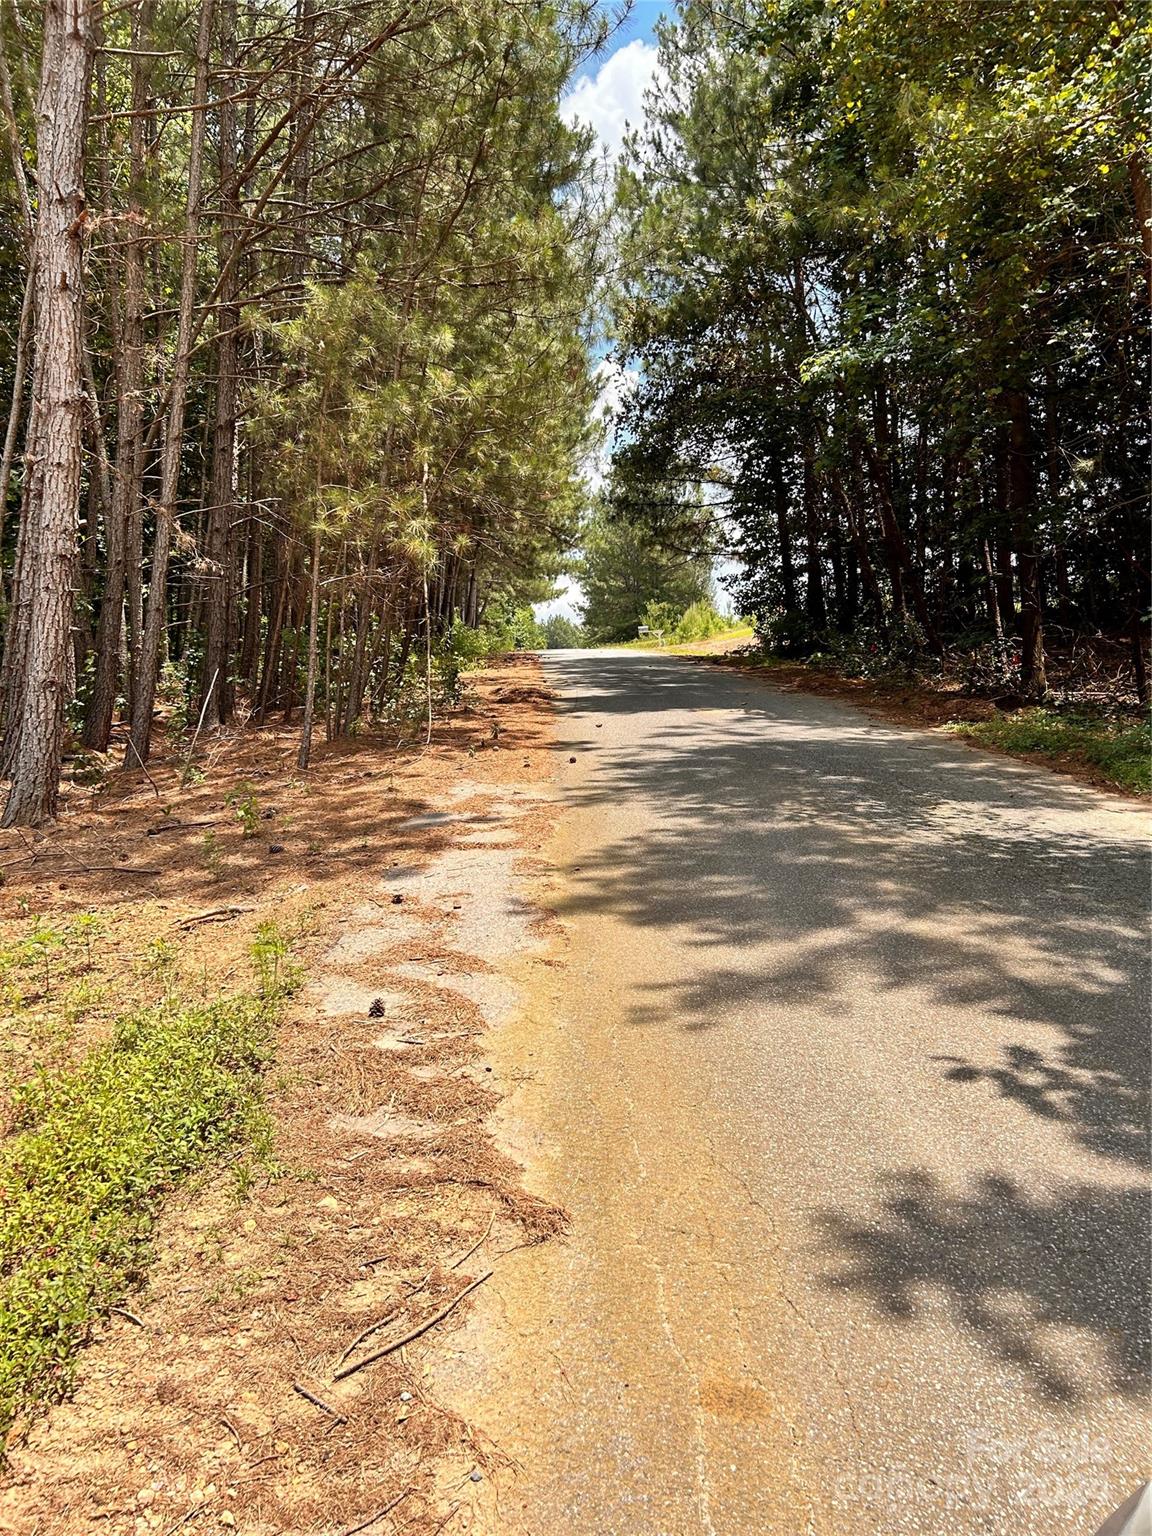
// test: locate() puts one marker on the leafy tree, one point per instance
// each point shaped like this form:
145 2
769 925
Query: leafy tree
884 279
624 567
562 633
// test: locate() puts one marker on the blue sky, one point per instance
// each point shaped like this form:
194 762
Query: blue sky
608 94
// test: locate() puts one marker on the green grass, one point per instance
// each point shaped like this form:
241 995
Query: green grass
735 632
94 1149
1119 752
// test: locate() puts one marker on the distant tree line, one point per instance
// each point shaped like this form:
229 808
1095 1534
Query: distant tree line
885 283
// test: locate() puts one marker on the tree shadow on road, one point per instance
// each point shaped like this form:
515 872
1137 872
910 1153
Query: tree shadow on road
866 859
805 858
1054 1286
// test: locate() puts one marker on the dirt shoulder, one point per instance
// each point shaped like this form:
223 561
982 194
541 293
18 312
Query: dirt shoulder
211 1402
944 707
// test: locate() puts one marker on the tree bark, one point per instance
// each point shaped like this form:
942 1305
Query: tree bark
217 565
305 752
54 459
1021 508
144 702
122 510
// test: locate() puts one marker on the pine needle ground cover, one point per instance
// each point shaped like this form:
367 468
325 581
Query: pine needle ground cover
95 1147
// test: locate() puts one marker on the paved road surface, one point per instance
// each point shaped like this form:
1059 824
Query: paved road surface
843 1086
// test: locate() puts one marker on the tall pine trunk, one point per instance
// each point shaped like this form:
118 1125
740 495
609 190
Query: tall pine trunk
144 700
123 507
216 702
54 453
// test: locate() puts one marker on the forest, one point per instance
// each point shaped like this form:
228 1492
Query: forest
883 295
293 301
300 310
341 357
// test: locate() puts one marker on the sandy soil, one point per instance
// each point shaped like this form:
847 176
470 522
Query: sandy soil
404 879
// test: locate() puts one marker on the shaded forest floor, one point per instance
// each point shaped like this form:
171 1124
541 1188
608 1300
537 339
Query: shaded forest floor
396 882
1109 750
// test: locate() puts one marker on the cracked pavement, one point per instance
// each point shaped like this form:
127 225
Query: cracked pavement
842 1080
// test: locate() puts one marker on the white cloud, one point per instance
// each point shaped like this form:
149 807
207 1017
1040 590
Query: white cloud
612 101
567 603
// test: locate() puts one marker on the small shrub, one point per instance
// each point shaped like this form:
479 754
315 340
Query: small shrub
172 692
95 1148
899 651
269 951
211 854
700 622
246 808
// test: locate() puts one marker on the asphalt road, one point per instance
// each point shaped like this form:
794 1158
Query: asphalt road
844 1084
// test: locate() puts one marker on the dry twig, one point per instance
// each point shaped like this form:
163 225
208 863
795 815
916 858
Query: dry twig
209 915
379 1515
413 1333
318 1402
367 1334
479 1243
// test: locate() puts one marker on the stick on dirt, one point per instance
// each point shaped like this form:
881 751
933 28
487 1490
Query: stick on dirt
479 1243
318 1402
379 1515
210 915
367 1334
413 1333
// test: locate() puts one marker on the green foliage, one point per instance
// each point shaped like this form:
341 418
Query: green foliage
700 621
172 692
562 633
212 854
95 1148
246 808
660 619
464 647
869 651
270 951
883 286
1121 752
624 569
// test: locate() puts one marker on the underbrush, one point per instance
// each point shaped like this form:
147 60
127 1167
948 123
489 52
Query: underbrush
1120 751
97 1140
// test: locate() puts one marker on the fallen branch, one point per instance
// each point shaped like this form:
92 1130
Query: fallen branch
185 773
368 1332
140 760
181 826
413 1333
115 869
479 1243
209 915
379 1515
318 1402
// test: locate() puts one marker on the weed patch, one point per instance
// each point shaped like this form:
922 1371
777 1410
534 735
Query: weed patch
1121 752
94 1148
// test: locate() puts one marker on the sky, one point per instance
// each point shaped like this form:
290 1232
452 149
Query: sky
608 94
